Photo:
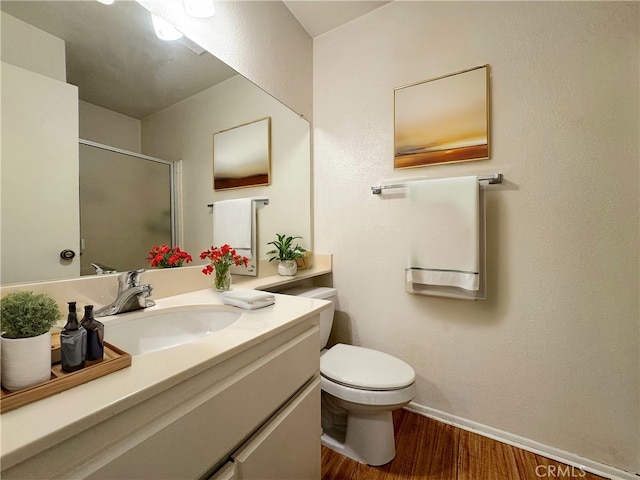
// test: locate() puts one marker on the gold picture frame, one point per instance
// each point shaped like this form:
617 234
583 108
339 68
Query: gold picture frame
242 155
442 120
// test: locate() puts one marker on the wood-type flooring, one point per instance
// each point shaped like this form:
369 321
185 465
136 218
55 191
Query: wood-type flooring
428 449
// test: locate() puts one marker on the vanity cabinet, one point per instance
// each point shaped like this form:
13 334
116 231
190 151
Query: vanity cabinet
227 472
255 415
285 448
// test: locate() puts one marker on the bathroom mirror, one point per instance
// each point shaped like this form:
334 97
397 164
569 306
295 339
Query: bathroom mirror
182 130
242 155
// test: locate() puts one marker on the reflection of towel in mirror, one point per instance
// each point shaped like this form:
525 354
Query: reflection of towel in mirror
232 224
445 239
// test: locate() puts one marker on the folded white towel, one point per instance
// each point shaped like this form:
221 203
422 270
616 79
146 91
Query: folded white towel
248 299
232 223
444 238
249 296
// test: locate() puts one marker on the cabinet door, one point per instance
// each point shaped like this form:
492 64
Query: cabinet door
40 204
227 472
288 446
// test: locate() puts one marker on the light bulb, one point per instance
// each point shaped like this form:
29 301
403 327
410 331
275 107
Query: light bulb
164 30
200 8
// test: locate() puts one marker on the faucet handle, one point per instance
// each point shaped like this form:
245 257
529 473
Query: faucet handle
130 279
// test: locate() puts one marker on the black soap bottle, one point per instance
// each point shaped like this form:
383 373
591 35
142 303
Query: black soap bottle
73 342
95 335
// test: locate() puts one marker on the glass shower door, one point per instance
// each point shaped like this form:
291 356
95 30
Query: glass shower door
126 207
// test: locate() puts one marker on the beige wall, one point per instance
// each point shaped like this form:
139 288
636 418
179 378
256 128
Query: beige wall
105 126
553 354
28 47
261 40
185 131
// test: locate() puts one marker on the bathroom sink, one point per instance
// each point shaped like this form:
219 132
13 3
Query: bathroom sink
144 332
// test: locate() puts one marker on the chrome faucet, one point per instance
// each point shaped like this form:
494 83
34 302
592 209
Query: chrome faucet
102 269
131 295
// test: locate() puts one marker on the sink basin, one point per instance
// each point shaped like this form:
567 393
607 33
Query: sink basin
146 332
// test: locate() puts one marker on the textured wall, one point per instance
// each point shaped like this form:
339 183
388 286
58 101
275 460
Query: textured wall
553 354
261 40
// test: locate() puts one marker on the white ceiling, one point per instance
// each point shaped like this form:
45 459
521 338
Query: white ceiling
320 16
118 63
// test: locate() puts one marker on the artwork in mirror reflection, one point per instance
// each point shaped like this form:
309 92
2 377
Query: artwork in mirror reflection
242 155
442 120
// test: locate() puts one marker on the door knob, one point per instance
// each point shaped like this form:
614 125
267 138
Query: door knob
67 254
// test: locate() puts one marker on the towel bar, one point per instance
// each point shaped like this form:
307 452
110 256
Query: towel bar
264 201
491 178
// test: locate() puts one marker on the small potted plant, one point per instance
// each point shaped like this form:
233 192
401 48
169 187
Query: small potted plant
220 261
286 254
26 319
167 257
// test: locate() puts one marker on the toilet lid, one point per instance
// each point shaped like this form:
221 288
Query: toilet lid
365 368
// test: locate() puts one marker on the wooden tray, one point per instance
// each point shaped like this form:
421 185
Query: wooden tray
114 359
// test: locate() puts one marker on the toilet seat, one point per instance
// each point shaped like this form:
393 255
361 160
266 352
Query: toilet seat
365 369
388 398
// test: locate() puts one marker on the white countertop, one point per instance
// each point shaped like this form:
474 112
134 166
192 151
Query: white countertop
39 425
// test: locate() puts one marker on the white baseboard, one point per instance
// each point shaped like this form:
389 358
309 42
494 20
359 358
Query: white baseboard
524 443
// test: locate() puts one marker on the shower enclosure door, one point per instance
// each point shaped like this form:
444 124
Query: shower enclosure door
126 207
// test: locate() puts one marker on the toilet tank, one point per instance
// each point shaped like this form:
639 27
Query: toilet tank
326 316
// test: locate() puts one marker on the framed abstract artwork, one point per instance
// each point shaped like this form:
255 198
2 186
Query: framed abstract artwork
242 155
442 120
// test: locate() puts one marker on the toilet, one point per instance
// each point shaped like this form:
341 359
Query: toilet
360 389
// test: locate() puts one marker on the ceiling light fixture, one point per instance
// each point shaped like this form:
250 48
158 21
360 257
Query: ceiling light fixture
200 8
164 30
106 2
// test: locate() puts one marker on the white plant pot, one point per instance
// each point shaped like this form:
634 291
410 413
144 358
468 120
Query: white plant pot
287 268
25 361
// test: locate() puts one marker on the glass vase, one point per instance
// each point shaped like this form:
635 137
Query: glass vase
222 280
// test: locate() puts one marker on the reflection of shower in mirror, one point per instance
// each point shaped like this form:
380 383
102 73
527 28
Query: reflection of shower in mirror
126 201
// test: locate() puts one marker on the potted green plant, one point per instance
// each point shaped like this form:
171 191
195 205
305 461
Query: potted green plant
26 319
286 253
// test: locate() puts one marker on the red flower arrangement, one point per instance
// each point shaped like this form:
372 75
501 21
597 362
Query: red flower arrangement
167 257
221 259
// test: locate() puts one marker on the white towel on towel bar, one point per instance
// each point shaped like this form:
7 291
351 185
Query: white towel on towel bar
445 237
232 223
